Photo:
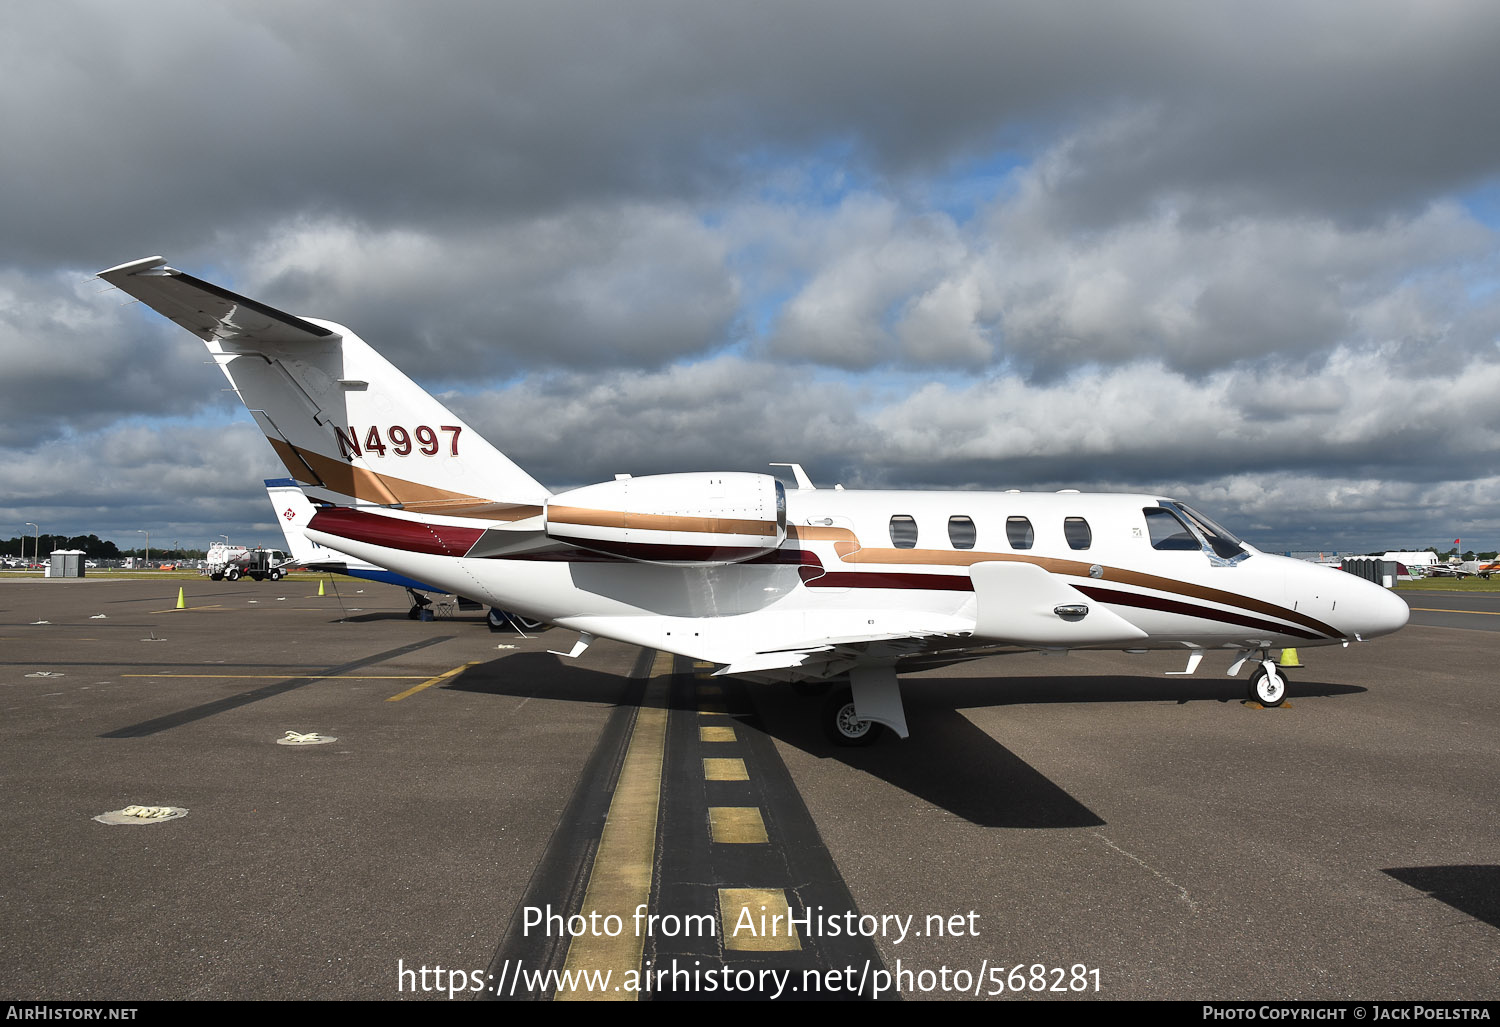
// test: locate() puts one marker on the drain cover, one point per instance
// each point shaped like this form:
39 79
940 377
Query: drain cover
311 738
141 815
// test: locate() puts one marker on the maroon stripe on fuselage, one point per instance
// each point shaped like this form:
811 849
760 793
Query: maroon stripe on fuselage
658 553
1109 595
395 533
846 579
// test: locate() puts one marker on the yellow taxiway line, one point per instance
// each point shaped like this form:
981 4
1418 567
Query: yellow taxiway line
285 677
444 676
620 881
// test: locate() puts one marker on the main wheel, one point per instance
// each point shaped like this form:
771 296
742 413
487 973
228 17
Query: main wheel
842 725
1266 688
415 613
499 620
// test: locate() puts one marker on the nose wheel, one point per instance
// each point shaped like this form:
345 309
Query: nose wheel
1267 685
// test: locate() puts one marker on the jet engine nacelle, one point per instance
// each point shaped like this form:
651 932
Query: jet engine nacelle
706 520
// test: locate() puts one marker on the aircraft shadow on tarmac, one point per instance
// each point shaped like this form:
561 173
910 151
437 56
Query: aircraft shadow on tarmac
971 693
1472 890
541 676
947 761
951 763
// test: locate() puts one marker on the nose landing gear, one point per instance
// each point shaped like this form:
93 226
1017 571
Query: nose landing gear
1267 685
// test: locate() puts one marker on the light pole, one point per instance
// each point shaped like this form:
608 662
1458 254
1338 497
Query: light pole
147 533
36 557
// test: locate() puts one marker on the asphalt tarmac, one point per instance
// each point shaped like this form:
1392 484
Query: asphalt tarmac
1063 827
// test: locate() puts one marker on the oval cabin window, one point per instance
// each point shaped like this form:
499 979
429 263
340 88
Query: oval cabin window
1076 531
961 532
903 531
1018 530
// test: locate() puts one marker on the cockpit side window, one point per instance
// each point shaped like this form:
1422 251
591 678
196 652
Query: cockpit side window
1168 532
1018 530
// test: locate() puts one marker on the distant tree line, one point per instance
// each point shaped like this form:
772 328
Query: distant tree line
94 548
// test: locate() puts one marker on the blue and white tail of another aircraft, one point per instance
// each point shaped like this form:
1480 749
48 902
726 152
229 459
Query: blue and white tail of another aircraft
295 511
733 568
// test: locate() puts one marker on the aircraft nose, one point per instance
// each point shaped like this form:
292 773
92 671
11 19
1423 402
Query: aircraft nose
1372 610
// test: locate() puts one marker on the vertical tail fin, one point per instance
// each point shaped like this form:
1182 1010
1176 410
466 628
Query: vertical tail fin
294 510
339 415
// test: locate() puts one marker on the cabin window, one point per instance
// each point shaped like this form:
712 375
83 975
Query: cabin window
1018 530
903 531
1168 532
1076 530
961 532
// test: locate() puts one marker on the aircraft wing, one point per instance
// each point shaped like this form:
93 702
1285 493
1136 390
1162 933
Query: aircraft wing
850 650
207 310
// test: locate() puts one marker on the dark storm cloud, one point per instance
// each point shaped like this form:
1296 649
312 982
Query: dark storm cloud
601 287
73 359
193 124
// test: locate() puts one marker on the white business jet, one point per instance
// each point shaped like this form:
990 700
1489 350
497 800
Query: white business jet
732 568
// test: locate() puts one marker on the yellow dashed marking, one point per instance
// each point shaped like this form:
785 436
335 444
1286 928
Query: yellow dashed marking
620 880
755 920
712 709
725 770
1482 613
737 825
444 676
716 734
710 690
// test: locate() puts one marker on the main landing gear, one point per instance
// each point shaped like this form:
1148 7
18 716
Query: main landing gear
854 714
841 722
499 620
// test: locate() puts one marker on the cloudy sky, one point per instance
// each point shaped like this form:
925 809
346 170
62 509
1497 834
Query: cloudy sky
1240 254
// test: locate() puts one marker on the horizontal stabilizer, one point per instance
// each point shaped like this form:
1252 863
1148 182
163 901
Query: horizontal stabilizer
207 310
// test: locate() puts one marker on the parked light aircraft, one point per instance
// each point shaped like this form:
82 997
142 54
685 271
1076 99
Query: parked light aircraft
732 568
294 510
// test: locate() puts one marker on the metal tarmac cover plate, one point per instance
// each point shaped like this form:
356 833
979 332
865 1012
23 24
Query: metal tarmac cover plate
147 815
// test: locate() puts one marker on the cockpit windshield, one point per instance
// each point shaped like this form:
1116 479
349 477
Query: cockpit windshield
1221 541
1175 526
